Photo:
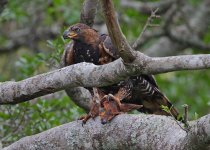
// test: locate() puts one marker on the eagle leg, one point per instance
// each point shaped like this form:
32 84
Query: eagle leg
109 109
115 98
94 112
123 92
95 106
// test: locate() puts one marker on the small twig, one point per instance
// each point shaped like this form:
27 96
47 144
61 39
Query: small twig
185 112
186 19
178 122
148 23
186 115
96 97
168 110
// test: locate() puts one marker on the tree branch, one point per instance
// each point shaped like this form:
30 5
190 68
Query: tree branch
118 39
80 96
166 46
90 75
124 132
88 12
190 40
148 23
147 7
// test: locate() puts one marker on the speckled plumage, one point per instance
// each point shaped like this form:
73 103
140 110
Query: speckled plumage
88 46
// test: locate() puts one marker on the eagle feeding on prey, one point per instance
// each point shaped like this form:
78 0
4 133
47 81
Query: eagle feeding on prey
136 92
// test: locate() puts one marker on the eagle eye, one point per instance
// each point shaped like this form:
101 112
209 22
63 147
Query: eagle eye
77 30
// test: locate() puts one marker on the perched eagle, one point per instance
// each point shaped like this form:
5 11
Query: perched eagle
90 46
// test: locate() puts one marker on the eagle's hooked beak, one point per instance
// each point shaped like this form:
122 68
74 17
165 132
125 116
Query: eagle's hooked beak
67 34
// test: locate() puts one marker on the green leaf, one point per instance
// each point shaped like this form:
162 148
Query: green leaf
165 108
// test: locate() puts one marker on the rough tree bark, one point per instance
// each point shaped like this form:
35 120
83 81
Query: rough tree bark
130 132
89 75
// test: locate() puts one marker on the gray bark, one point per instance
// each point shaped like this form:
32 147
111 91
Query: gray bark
80 96
125 132
146 7
90 75
88 12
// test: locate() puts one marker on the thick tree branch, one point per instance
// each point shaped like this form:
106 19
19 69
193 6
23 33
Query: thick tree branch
80 96
88 12
124 132
147 7
118 39
89 75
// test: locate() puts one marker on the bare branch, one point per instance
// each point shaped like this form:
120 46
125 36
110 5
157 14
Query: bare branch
80 96
147 7
189 40
186 114
89 75
124 49
168 19
147 36
166 46
126 132
148 23
88 12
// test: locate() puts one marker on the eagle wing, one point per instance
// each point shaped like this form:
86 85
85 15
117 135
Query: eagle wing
144 91
107 50
68 55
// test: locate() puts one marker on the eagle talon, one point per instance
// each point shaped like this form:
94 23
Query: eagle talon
83 123
103 121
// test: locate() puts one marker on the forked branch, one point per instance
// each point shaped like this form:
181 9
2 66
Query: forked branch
124 49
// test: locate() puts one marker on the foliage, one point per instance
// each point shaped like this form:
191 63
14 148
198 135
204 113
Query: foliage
187 87
33 117
29 118
57 46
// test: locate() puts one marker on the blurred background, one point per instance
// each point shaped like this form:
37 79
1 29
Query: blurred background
31 43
